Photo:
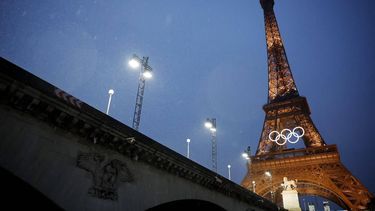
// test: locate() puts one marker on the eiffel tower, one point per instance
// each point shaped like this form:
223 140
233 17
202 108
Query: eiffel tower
316 167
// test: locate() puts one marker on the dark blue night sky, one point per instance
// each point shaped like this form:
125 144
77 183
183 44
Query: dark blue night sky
209 60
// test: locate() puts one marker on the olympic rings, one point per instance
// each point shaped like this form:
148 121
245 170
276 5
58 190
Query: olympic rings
288 134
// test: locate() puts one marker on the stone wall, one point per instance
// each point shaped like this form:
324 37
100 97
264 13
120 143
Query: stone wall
82 159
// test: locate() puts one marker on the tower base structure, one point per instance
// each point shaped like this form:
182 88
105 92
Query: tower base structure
318 171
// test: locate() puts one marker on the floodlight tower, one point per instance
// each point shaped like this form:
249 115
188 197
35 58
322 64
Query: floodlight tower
211 124
145 73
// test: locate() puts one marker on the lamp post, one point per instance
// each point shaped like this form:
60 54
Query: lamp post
211 125
268 174
188 151
246 154
229 171
110 92
145 73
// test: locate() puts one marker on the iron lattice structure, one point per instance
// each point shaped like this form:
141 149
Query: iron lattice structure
212 127
317 167
140 93
214 146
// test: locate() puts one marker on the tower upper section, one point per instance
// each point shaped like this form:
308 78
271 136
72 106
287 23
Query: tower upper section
281 84
267 5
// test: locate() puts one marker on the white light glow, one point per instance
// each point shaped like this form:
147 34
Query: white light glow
213 129
208 124
268 174
188 140
229 166
134 63
245 155
147 74
111 91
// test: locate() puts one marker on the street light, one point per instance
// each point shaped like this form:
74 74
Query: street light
246 154
229 172
188 152
110 92
268 174
134 63
145 73
211 125
208 124
254 186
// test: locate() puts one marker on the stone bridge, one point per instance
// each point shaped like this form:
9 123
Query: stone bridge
64 154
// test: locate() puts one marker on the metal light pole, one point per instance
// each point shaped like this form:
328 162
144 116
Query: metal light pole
211 124
247 155
188 151
110 92
229 172
268 174
146 72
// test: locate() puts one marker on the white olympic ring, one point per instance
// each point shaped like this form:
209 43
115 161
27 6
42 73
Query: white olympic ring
287 137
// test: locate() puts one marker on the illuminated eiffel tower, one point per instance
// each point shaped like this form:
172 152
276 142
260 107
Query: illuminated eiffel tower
317 167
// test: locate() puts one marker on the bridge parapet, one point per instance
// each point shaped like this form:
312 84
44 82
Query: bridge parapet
30 95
